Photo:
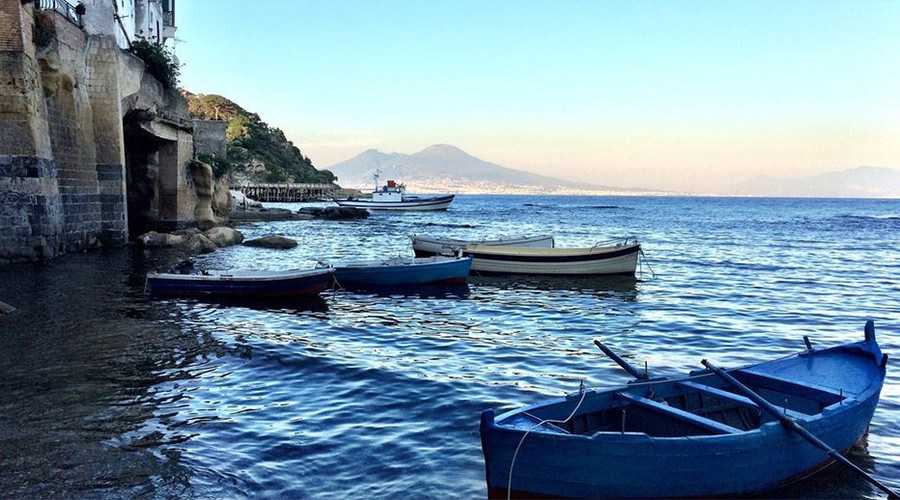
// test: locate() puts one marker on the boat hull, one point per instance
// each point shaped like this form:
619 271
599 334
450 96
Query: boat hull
404 271
418 204
630 464
425 246
241 283
557 261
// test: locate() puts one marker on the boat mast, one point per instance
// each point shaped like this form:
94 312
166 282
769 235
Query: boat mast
376 175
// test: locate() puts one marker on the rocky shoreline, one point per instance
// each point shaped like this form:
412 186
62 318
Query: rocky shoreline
194 241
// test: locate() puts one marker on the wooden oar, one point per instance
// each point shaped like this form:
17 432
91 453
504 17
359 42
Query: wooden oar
621 362
791 424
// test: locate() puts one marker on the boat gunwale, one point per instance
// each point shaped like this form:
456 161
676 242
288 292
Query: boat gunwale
499 251
223 276
850 400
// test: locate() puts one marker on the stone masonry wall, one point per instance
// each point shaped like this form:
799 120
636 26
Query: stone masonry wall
63 68
31 214
63 182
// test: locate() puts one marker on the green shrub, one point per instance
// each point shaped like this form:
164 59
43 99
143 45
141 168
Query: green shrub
220 166
44 30
158 61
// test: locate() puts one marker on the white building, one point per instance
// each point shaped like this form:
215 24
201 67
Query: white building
152 20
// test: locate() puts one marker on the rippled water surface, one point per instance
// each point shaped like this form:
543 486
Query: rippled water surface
105 392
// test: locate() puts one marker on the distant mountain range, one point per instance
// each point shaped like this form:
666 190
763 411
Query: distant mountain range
859 182
445 168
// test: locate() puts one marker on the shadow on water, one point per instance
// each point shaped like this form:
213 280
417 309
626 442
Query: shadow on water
81 358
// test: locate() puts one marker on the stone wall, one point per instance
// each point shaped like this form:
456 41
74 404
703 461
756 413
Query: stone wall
64 178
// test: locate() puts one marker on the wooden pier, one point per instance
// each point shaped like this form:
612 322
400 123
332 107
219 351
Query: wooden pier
287 192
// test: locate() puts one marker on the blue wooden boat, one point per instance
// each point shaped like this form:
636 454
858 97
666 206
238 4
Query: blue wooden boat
241 283
403 271
710 433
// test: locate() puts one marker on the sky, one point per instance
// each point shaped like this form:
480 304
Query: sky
677 95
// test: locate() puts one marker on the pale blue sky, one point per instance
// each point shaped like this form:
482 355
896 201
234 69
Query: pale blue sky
661 94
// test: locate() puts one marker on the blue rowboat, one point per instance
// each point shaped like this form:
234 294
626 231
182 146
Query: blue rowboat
403 271
699 435
247 283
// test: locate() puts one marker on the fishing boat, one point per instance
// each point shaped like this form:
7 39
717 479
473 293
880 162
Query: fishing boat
243 283
711 433
403 271
609 258
424 246
392 196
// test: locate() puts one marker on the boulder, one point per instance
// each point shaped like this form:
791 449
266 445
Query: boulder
334 213
224 236
271 242
200 244
202 177
160 240
240 201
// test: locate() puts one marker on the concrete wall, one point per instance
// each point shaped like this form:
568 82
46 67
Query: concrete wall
209 137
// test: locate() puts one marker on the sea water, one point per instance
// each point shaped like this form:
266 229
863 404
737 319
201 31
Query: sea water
107 392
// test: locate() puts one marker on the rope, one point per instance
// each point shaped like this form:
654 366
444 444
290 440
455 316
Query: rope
645 260
535 426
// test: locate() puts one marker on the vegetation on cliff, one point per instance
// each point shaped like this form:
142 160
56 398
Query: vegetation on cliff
256 152
158 60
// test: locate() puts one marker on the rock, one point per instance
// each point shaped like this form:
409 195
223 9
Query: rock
222 202
224 236
187 232
271 242
200 244
240 200
202 176
264 214
160 240
334 213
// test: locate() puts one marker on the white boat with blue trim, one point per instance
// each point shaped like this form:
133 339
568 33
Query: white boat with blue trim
392 196
608 258
425 246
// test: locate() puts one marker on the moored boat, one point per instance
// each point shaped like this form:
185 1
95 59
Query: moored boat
711 433
236 283
602 259
392 196
403 271
424 246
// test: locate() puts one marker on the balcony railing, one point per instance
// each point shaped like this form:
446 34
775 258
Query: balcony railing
67 10
169 18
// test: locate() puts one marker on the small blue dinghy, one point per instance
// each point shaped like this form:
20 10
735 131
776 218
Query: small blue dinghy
711 433
403 271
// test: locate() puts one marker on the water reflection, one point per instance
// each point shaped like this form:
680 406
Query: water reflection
428 291
590 284
288 305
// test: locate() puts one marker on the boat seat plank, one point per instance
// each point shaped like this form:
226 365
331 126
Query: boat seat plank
548 425
708 424
805 390
719 393
737 398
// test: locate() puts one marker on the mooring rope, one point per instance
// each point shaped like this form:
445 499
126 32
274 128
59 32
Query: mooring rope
645 260
535 426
